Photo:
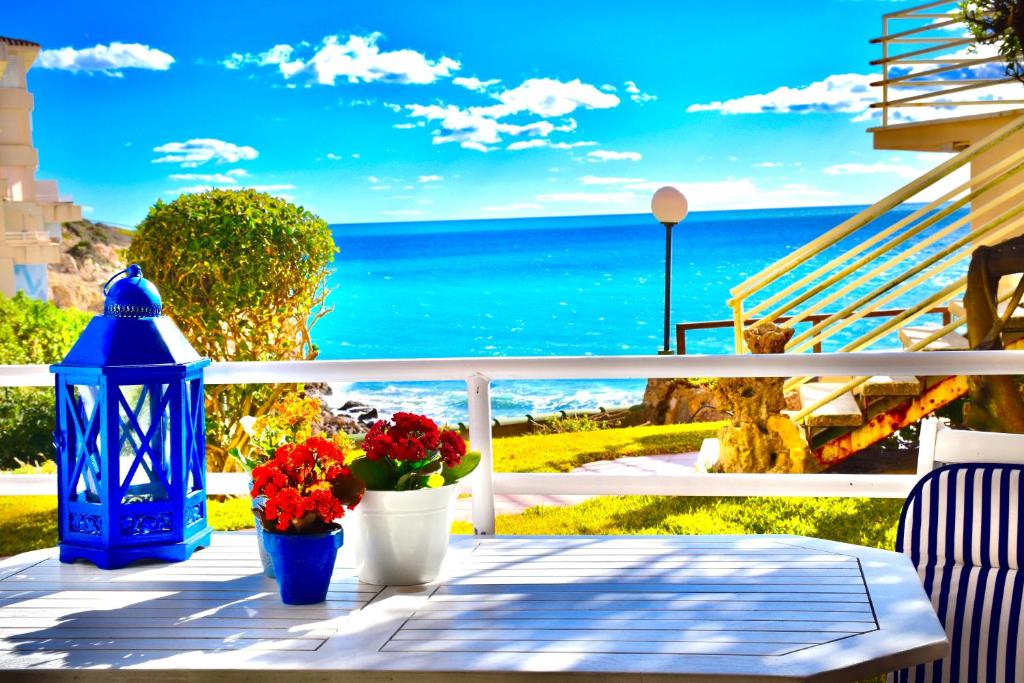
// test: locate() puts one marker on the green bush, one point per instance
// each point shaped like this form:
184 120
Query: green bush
31 332
243 275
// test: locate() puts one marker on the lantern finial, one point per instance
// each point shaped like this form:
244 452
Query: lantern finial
131 297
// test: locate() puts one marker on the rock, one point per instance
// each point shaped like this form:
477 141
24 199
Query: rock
680 401
760 438
91 253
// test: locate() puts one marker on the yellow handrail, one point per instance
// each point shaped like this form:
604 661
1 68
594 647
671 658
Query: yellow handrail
984 178
846 228
893 282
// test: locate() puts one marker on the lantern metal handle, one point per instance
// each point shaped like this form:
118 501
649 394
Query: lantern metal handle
131 271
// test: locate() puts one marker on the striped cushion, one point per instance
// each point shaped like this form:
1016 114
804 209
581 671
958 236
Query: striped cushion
962 527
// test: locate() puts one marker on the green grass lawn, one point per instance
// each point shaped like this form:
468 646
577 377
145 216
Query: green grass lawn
563 452
864 521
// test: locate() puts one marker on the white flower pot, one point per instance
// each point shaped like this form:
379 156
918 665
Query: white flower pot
402 536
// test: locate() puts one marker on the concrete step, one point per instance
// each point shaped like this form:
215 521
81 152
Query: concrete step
886 385
958 310
951 341
842 411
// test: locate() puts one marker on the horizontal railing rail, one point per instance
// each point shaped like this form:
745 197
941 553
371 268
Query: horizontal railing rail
938 49
683 328
478 373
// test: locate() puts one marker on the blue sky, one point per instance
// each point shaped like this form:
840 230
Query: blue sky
384 111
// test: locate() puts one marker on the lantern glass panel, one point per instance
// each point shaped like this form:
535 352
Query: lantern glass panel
195 436
83 406
144 442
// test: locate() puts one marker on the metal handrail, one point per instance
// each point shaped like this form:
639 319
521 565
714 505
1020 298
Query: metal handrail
946 51
683 328
776 270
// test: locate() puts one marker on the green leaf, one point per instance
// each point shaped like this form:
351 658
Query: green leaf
376 474
469 462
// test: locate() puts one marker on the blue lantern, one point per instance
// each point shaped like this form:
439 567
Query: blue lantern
131 444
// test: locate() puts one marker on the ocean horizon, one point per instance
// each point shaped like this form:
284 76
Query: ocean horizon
553 286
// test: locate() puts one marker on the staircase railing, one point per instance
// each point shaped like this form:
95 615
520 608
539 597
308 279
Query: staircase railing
941 60
895 253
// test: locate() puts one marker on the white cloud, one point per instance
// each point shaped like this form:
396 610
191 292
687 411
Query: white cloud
334 157
900 170
529 144
608 155
483 128
239 172
430 179
357 59
513 207
704 196
637 95
473 129
743 193
608 180
199 151
846 93
852 93
544 142
408 126
587 197
473 83
106 59
769 164
549 97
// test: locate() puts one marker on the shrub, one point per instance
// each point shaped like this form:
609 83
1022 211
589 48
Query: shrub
243 274
31 332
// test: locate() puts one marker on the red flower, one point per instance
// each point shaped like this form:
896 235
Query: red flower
453 447
306 487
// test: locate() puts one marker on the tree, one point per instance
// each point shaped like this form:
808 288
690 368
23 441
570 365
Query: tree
1000 23
244 276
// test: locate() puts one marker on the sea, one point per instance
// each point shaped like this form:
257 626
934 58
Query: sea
563 286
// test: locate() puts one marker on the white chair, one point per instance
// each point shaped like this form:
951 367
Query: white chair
963 528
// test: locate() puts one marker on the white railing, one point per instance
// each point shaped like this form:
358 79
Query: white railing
479 372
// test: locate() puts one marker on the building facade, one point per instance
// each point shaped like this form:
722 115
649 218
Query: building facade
31 211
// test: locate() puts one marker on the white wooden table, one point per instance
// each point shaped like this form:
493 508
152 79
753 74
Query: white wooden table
722 608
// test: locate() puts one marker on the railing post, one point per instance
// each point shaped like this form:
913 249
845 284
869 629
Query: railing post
737 321
479 390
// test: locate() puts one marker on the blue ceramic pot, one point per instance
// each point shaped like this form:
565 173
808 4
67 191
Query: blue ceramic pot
303 564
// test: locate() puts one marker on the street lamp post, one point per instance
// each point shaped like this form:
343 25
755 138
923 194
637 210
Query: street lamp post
669 207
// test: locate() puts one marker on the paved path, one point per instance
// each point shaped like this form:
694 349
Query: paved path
678 463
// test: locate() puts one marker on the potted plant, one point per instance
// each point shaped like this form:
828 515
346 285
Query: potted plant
306 489
411 470
293 418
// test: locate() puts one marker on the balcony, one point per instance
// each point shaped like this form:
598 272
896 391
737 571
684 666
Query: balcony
940 91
